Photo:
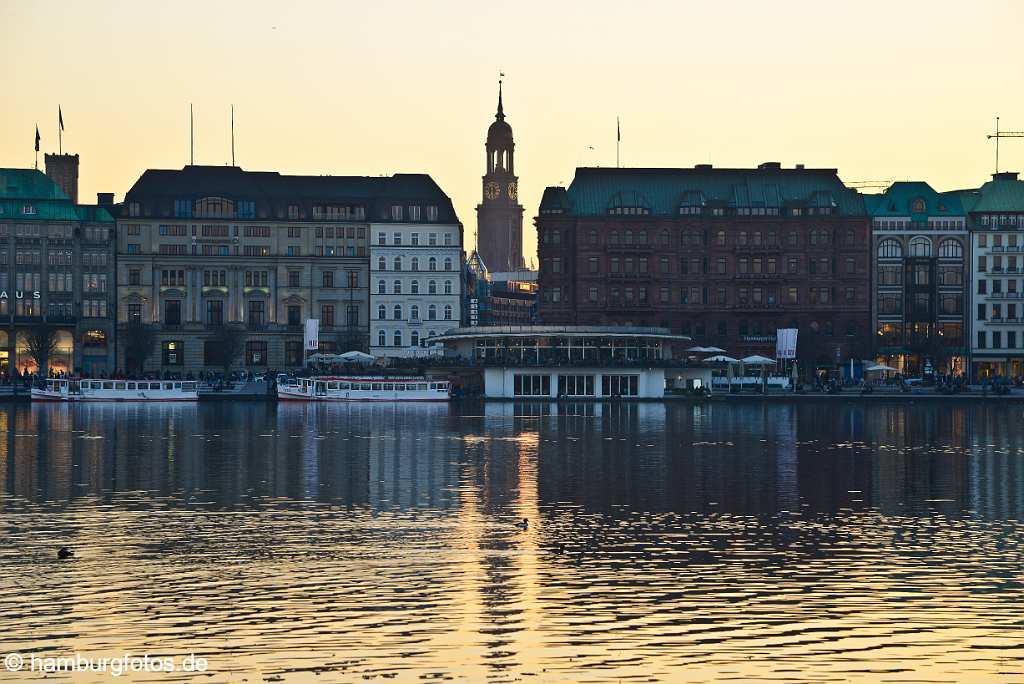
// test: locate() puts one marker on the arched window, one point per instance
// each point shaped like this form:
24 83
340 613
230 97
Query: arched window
432 264
951 249
447 287
890 249
382 287
382 338
398 338
398 312
664 239
720 238
593 237
432 287
918 206
431 334
382 312
642 236
613 237
920 247
398 263
382 264
628 237
396 287
415 263
415 338
447 263
414 287
447 312
432 312
414 312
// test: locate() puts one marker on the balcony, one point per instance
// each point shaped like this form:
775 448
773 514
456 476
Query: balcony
747 249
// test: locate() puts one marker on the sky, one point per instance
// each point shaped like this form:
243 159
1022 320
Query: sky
882 91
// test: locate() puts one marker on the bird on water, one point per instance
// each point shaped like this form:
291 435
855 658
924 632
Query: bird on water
64 553
523 525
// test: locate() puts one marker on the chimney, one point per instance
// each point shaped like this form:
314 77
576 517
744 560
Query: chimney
105 199
62 169
1005 175
702 167
799 167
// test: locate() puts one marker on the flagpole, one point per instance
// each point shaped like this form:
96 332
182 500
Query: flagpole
191 136
232 135
618 140
60 131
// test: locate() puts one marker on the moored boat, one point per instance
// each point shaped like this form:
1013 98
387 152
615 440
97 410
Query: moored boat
74 389
359 388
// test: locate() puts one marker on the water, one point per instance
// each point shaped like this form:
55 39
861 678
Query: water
835 541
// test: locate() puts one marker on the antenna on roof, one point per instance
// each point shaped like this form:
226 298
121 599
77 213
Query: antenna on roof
1003 134
232 135
191 136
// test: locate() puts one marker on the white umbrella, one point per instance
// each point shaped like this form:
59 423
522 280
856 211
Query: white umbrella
714 350
699 350
721 358
356 356
881 367
757 361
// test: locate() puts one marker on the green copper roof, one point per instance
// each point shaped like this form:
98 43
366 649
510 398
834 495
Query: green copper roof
595 191
30 195
1004 193
916 199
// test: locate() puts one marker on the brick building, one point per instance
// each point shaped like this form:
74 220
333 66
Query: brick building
724 255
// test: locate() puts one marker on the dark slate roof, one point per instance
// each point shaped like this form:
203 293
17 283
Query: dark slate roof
554 199
157 189
19 187
662 191
898 200
1004 193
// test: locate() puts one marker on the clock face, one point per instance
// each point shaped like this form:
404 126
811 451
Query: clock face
492 190
513 191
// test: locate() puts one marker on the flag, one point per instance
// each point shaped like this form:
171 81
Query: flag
60 118
37 138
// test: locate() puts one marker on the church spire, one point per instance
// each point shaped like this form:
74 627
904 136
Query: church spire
500 116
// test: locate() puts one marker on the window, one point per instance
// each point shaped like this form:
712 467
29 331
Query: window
396 287
432 264
327 315
328 278
447 263
256 278
172 352
414 338
531 385
889 249
294 315
415 264
134 276
172 312
414 312
382 312
382 338
951 249
215 312
619 385
447 287
382 264
920 247
432 312
294 278
257 313
397 312
256 353
432 287
398 338
414 287
576 385
447 312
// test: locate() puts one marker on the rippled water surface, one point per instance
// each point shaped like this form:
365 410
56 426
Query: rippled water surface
790 542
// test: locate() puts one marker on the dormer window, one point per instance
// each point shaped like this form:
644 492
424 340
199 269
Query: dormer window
134 209
432 212
182 208
414 213
28 210
293 211
396 212
918 206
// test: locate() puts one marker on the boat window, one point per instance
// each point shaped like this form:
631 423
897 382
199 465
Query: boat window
168 385
119 385
131 385
442 385
177 385
345 385
422 387
365 386
332 385
154 385
376 387
399 387
433 385
188 386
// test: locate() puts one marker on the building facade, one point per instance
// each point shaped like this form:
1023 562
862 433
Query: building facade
997 300
205 252
499 216
56 278
920 279
416 266
726 256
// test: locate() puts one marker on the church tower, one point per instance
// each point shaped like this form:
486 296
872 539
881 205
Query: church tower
499 217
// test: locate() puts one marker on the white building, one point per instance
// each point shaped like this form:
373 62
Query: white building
415 273
997 246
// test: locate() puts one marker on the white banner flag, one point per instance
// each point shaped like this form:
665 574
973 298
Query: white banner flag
312 334
785 343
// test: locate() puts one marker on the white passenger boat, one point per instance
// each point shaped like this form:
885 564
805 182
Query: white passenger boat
73 389
373 388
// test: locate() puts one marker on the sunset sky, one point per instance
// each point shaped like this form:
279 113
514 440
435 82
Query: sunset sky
880 90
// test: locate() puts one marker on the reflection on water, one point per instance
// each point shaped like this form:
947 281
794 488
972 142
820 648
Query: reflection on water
836 541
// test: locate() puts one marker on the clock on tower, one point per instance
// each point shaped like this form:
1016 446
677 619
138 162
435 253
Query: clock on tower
499 234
